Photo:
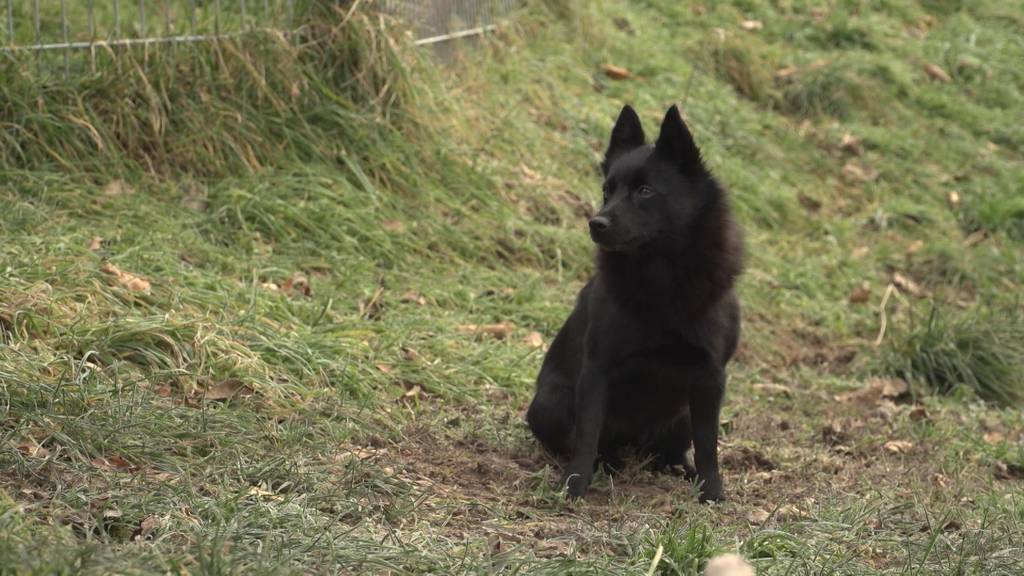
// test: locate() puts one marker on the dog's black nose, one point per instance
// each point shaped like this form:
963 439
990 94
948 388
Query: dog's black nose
599 224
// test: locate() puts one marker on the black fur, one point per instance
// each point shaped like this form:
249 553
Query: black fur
641 360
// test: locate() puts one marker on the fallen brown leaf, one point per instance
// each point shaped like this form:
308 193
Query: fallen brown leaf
810 203
117 188
751 25
832 434
534 340
385 368
33 494
615 72
935 72
410 354
414 297
497 331
146 527
126 279
861 293
976 237
362 453
31 449
786 72
494 543
876 390
855 171
529 174
1009 471
898 446
852 144
891 387
772 389
859 252
885 410
298 284
746 458
96 243
115 462
758 516
915 247
790 512
411 394
907 285
918 414
623 24
225 390
993 437
260 492
393 226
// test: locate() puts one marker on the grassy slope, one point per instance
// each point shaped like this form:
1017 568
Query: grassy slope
381 437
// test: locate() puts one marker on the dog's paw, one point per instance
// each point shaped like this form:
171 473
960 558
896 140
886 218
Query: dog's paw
689 472
686 471
575 485
708 496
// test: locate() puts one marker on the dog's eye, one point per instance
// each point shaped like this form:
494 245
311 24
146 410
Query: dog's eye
645 191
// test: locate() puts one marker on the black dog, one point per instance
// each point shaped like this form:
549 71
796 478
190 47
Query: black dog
641 360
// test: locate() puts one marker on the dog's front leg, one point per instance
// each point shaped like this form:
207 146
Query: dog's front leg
591 395
706 393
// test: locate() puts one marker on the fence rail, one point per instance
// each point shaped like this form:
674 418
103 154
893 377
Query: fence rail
41 27
441 21
50 24
88 25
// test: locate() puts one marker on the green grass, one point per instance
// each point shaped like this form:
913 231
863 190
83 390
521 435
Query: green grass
227 420
131 19
979 351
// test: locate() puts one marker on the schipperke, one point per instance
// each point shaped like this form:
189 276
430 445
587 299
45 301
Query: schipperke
641 360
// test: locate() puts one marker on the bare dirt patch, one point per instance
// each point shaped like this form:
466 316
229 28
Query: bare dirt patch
785 458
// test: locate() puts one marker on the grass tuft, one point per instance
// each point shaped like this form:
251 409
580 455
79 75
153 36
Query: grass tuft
744 65
686 548
979 351
836 89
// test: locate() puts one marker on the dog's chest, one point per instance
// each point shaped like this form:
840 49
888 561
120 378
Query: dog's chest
651 385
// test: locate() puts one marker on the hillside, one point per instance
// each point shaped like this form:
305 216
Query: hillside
276 305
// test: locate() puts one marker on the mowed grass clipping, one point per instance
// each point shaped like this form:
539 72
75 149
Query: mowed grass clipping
274 304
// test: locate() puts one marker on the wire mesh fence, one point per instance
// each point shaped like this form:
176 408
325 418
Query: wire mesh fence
81 31
68 28
440 21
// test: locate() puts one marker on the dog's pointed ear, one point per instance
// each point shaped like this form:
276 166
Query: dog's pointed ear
627 135
675 143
